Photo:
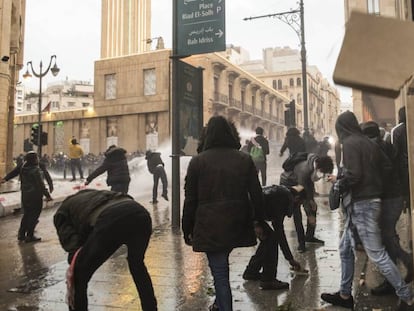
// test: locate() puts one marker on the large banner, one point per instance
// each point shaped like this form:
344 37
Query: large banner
190 101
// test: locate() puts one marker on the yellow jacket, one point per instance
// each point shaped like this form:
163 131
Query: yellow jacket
75 151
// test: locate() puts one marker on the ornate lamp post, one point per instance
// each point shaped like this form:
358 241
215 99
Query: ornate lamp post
296 20
55 70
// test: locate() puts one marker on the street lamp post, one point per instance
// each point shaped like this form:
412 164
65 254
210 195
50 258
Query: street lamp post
296 20
55 70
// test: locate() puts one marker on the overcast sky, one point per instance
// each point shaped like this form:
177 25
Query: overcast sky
71 30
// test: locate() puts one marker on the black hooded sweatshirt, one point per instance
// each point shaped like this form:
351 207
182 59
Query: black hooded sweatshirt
363 160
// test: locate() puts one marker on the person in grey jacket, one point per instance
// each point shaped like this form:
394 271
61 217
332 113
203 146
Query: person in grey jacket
307 172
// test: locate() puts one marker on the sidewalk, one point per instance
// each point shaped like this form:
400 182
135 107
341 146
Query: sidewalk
34 279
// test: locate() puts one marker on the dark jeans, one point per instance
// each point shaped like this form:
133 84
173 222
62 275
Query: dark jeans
120 187
128 224
76 164
390 213
261 168
219 266
266 258
159 173
32 207
310 222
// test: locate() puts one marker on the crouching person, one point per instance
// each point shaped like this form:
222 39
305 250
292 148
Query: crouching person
279 202
92 225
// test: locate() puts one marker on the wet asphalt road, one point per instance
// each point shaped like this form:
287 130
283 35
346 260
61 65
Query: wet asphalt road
32 276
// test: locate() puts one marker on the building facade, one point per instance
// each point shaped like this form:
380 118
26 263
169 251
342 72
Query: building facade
281 69
12 19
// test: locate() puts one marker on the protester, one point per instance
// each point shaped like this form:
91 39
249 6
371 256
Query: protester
116 166
32 191
92 225
311 144
391 209
293 142
258 149
364 168
278 202
75 155
156 168
307 168
223 198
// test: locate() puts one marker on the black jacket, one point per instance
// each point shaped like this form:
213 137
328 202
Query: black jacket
32 185
75 217
223 195
45 174
153 160
293 142
363 159
116 166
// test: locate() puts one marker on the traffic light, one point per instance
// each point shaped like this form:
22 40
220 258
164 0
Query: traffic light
290 114
43 139
34 135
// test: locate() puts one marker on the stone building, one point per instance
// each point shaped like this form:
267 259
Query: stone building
12 18
281 69
368 106
132 104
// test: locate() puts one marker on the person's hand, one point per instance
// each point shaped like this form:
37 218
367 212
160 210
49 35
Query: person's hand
295 265
280 154
331 178
48 199
51 189
313 205
188 239
259 231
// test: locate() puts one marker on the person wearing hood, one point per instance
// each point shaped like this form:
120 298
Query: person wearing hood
293 141
116 166
223 199
392 207
363 177
32 191
399 143
156 168
260 142
308 172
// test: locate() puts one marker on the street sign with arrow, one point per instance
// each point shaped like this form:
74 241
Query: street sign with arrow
200 26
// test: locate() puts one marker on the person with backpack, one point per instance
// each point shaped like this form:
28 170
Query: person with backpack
258 149
304 169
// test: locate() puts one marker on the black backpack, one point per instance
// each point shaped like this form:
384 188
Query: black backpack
288 178
278 201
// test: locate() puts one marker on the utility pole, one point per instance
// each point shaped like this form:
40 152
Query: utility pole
296 20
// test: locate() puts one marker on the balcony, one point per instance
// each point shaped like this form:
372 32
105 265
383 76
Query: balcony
234 105
221 101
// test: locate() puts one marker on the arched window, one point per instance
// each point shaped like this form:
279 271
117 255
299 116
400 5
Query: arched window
291 82
279 84
298 81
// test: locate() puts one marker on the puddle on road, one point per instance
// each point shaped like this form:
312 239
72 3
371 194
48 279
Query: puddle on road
39 279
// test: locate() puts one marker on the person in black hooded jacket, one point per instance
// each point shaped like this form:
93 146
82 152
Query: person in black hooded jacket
364 170
156 168
223 198
116 166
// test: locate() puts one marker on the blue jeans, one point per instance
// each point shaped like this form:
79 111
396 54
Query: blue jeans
365 216
219 266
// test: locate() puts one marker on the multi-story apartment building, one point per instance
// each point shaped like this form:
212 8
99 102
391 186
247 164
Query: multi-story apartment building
58 96
281 69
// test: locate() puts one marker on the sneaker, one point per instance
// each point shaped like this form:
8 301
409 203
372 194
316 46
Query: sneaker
154 201
403 306
336 300
21 238
314 240
165 196
273 285
385 288
73 179
213 307
251 276
301 248
31 239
